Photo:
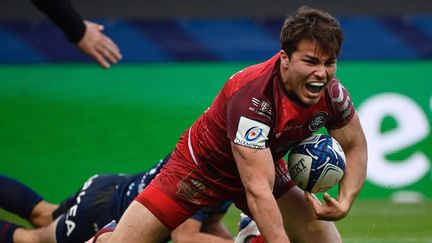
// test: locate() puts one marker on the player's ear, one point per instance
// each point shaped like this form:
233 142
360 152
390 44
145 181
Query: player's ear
284 59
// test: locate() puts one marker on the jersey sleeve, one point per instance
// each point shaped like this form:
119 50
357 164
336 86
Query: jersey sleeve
249 118
341 105
65 16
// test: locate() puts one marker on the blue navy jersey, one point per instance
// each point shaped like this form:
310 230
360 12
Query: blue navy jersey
133 185
104 198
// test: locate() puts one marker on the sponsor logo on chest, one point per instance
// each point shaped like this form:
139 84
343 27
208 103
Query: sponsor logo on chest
318 120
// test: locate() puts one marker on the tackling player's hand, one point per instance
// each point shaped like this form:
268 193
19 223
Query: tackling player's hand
99 46
330 210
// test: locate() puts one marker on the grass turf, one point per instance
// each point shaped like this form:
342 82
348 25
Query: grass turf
370 221
378 221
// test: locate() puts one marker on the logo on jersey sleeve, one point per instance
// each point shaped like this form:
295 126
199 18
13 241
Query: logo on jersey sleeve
251 133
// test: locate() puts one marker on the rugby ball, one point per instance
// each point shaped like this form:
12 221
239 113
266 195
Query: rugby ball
317 163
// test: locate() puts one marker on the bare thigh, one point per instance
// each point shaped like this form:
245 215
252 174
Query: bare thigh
138 224
299 222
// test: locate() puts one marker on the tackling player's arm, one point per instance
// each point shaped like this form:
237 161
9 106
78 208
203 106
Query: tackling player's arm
190 232
257 174
65 16
353 142
86 35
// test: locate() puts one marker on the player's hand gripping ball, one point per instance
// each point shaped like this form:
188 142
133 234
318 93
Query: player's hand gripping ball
317 163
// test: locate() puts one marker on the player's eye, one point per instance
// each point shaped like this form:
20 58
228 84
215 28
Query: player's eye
310 61
330 62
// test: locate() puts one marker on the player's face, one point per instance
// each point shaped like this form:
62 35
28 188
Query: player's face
308 71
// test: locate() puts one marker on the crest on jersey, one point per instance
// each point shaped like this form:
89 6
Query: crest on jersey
261 107
318 120
264 106
251 133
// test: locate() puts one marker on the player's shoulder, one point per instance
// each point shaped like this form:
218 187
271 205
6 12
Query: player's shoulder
253 78
339 98
255 71
336 91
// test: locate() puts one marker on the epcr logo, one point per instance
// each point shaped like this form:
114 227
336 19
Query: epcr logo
253 134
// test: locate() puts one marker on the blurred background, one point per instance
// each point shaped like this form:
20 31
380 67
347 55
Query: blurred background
62 118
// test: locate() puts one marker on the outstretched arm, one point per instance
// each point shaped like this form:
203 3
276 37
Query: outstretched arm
86 35
65 16
21 200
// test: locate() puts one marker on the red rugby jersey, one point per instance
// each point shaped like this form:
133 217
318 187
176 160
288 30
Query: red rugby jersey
253 109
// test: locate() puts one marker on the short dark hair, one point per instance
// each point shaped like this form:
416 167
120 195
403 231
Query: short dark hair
311 24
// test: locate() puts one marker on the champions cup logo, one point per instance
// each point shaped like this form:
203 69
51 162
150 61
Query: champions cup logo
253 133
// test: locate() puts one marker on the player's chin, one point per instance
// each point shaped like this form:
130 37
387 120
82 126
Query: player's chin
310 98
309 101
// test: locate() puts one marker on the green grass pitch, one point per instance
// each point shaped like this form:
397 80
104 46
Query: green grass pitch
378 221
370 221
